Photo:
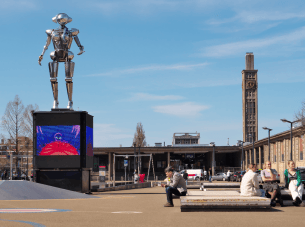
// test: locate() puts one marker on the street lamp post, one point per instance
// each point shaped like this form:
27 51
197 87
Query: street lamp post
291 122
242 154
213 160
269 129
27 159
252 156
134 158
139 160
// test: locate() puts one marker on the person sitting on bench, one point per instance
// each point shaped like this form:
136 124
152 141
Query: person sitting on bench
293 181
270 185
176 187
249 184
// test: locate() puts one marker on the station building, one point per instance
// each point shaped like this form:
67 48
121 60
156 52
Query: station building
187 152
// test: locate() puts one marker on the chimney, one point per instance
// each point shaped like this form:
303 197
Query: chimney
249 61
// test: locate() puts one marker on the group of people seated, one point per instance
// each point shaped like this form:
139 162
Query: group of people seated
249 185
293 181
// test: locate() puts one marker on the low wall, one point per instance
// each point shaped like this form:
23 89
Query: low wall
124 187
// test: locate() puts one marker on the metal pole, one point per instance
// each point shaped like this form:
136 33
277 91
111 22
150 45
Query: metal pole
125 175
213 161
252 156
11 166
27 162
291 140
113 173
242 155
134 158
139 160
269 145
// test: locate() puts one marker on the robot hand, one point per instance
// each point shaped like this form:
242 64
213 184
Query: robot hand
40 59
81 50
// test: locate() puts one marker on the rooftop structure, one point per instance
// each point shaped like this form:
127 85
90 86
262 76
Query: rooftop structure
186 138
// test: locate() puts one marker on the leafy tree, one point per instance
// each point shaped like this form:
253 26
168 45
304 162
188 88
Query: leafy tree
139 136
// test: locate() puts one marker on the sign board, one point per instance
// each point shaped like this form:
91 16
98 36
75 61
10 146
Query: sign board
125 163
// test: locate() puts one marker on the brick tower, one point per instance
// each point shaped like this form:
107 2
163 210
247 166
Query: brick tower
249 92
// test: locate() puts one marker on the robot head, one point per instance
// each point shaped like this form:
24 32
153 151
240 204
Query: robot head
58 136
62 19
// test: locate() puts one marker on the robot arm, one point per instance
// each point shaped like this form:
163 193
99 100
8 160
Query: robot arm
81 48
45 47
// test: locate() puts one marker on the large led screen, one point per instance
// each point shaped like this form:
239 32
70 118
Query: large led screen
89 141
58 140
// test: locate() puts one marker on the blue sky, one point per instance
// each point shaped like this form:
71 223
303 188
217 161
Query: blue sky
173 65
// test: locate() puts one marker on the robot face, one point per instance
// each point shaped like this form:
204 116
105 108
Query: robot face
62 19
58 137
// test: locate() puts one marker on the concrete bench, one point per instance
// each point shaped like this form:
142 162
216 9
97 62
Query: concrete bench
222 201
214 185
221 185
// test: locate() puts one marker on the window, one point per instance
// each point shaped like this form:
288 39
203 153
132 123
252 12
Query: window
274 152
161 164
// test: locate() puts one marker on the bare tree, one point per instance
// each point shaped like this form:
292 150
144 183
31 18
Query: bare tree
139 136
28 120
300 114
13 122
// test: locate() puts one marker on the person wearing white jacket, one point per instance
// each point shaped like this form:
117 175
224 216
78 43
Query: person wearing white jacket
249 184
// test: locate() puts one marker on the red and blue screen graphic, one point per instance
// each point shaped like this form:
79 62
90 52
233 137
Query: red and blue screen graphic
58 140
89 141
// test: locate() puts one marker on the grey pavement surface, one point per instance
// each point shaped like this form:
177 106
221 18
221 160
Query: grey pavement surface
140 207
23 190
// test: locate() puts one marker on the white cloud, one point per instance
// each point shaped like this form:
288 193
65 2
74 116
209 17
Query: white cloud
186 109
257 16
252 45
150 97
151 68
210 83
107 133
147 7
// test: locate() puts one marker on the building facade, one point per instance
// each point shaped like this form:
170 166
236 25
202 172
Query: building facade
280 149
186 138
24 159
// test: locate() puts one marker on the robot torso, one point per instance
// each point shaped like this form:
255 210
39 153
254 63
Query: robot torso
62 39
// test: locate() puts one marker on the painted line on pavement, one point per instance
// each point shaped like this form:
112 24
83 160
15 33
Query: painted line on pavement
34 224
31 210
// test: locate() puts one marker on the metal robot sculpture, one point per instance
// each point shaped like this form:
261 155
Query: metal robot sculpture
62 39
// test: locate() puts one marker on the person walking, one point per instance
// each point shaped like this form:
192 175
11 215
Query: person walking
205 174
228 175
136 177
210 175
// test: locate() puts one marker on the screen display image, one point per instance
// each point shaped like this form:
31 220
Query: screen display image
58 140
89 141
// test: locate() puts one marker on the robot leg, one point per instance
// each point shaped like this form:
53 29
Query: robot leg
69 69
53 68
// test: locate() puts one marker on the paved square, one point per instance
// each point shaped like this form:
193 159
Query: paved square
138 207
